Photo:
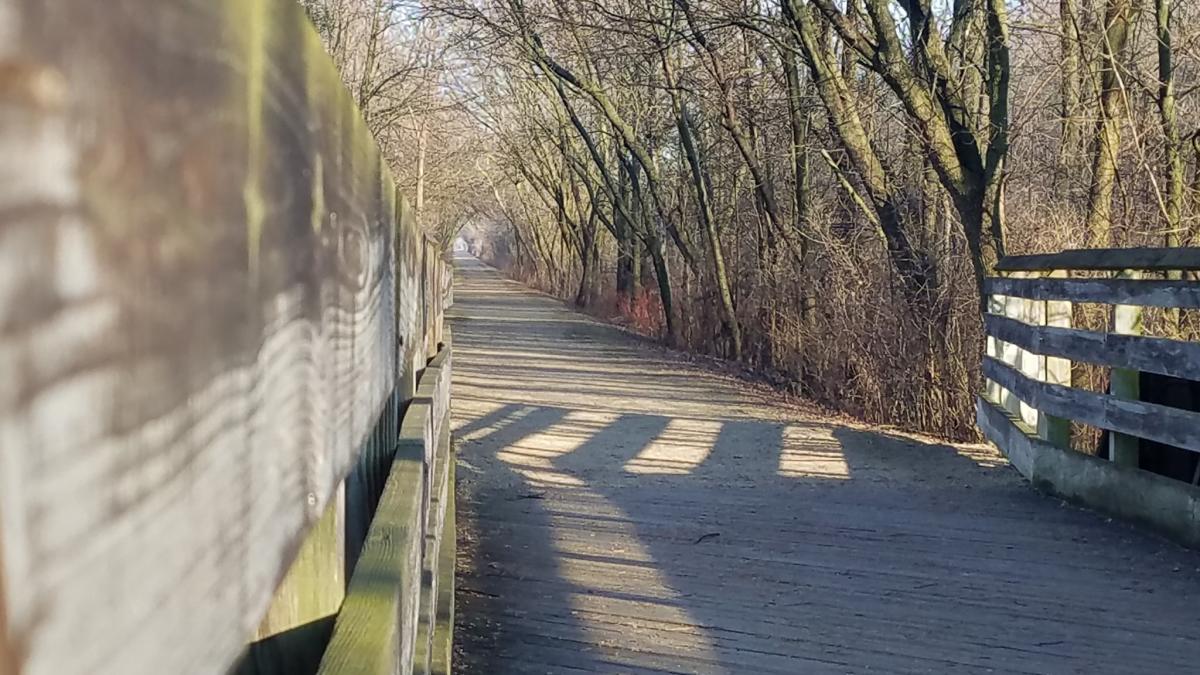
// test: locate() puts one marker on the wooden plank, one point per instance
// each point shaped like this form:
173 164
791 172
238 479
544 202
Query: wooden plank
1164 424
410 342
993 346
1028 363
433 388
375 629
380 629
364 485
196 321
1105 259
1176 358
1011 354
1011 437
1144 292
433 391
315 584
423 656
443 634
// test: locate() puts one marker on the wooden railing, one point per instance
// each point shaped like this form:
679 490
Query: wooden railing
398 615
214 314
1029 403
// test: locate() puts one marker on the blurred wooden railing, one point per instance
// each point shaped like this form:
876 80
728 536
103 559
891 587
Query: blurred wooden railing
214 314
1029 404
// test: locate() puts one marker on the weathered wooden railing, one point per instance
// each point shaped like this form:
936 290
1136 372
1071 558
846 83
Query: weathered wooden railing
1029 403
399 609
214 314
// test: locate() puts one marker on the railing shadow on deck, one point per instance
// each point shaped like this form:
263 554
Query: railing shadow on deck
859 575
483 646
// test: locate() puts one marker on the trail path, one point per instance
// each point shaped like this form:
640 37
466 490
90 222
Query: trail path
624 511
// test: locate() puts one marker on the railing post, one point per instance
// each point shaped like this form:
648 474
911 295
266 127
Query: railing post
1123 382
1028 363
1055 370
297 625
1010 353
995 306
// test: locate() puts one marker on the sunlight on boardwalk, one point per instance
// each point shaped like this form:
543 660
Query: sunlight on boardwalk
625 512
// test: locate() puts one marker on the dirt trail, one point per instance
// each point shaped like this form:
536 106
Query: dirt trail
625 511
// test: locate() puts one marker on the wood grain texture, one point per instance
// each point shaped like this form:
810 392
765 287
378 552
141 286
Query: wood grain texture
1056 315
1173 426
315 583
375 630
1176 358
1144 292
199 326
1105 259
1125 382
443 628
431 575
386 624
1024 311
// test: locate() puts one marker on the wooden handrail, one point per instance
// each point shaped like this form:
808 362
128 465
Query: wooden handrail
1180 428
1141 292
1105 259
395 618
1174 358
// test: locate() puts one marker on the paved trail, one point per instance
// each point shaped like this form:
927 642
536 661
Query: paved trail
622 511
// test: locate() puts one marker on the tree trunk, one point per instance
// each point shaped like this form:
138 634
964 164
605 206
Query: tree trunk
683 123
663 276
764 188
800 121
848 125
1172 157
420 191
587 261
1108 127
1070 88
1194 235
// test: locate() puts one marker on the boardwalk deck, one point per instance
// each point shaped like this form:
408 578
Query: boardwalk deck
623 511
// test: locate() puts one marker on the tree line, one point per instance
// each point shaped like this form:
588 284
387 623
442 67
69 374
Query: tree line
813 188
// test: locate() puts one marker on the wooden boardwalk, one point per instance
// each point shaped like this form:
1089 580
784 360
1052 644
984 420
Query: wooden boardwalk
623 511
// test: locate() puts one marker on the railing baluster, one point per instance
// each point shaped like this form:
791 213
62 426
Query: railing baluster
1027 362
1055 370
1009 352
1124 382
994 391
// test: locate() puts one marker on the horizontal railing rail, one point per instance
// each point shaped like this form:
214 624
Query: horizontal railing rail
1143 292
398 613
1105 260
1174 358
1030 402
